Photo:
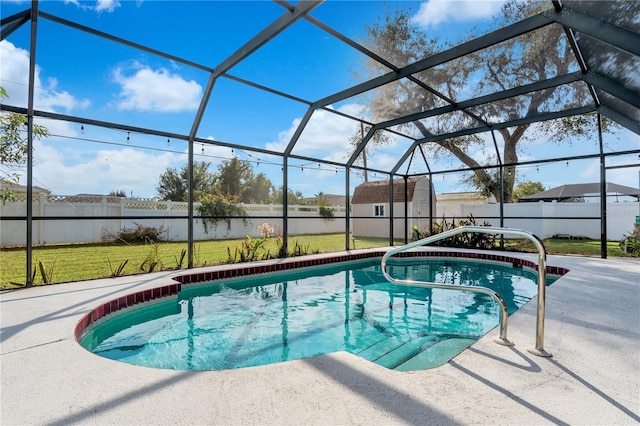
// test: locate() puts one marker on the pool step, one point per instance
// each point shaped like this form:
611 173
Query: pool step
389 353
435 355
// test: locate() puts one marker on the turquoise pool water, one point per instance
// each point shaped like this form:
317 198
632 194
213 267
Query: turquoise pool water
297 314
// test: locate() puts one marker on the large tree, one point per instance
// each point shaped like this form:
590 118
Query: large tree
14 146
536 56
233 182
260 190
174 184
233 178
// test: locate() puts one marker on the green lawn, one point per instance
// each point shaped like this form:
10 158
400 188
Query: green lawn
87 261
577 247
81 261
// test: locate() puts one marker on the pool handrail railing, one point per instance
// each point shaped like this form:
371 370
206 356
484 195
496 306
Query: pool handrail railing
504 316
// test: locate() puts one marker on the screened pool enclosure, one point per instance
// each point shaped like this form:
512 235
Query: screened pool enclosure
314 105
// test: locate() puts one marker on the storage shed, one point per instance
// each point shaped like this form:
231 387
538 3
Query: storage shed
371 206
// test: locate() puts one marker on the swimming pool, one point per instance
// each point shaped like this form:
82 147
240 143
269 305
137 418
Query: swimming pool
349 306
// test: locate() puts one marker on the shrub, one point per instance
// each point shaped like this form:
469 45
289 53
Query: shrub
139 234
630 243
327 213
472 240
152 260
215 208
253 249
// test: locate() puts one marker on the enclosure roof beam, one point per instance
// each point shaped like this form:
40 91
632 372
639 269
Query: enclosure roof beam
360 48
621 119
497 96
361 145
264 36
600 30
498 36
424 157
404 157
607 85
177 136
259 40
296 135
544 161
13 22
512 123
357 46
140 130
266 89
582 63
123 41
15 17
540 85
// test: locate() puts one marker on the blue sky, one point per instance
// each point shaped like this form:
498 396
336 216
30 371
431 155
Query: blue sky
86 76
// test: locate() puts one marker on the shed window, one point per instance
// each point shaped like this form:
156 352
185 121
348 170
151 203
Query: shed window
378 210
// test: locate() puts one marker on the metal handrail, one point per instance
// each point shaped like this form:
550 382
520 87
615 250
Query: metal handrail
542 278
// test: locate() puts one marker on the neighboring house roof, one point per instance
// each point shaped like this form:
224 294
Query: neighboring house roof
15 187
378 191
578 190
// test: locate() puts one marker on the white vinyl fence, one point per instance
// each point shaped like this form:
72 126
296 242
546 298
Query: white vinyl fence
83 227
302 219
552 218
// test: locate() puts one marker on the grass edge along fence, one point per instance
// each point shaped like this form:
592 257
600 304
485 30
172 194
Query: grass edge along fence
77 262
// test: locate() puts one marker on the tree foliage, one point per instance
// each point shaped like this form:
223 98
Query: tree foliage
174 184
234 181
117 193
234 176
14 146
527 188
259 191
293 197
532 57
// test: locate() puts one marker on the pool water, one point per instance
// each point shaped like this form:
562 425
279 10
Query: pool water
297 314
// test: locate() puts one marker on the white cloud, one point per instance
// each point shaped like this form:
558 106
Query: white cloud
435 12
127 168
107 5
157 90
15 80
101 5
628 176
326 136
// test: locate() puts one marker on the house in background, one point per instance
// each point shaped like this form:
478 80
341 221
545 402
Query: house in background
584 193
371 207
20 191
450 203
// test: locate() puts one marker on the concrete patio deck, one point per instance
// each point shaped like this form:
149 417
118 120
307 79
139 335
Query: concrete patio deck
592 330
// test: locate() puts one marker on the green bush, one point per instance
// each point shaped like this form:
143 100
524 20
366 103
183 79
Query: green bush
139 234
213 208
471 240
630 243
327 212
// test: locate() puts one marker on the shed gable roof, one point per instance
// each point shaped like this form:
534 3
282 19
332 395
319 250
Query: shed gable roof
378 191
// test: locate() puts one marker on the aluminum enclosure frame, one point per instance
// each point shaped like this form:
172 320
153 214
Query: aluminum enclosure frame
573 22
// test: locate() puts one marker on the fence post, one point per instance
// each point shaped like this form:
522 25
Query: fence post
120 214
42 212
